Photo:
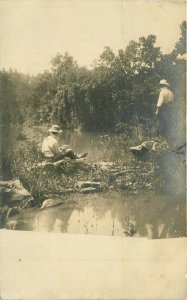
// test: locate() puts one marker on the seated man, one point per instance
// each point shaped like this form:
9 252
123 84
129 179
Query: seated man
51 149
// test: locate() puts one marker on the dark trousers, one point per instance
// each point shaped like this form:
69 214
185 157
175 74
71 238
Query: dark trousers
60 156
166 126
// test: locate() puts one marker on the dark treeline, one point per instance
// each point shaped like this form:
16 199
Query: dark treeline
119 88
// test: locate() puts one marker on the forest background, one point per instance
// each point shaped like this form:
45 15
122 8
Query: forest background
121 88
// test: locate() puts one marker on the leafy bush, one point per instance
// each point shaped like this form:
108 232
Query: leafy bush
121 88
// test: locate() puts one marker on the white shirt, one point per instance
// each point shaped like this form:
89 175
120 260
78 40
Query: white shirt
165 96
50 146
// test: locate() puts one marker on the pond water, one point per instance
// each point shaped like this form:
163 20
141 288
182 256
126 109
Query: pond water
113 213
78 140
110 213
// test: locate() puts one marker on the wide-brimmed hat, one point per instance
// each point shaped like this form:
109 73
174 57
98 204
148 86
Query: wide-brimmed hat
55 128
163 82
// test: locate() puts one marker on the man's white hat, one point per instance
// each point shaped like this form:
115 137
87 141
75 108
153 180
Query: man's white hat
55 128
164 82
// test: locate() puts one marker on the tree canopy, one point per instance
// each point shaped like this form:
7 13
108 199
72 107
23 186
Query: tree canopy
119 88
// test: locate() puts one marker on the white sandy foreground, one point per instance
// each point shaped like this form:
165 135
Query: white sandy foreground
66 266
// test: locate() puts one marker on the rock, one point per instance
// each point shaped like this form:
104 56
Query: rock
138 150
88 184
87 187
143 150
89 190
58 193
14 191
51 202
148 145
144 147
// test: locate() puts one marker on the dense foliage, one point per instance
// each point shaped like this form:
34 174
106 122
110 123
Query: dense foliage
121 87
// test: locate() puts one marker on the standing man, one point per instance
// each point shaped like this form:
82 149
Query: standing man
164 109
51 149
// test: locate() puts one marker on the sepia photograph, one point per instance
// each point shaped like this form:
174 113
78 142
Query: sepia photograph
93 129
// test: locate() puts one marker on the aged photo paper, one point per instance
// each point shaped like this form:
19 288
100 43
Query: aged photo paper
93 149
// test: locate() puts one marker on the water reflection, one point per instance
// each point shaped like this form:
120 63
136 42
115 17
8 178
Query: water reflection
113 214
